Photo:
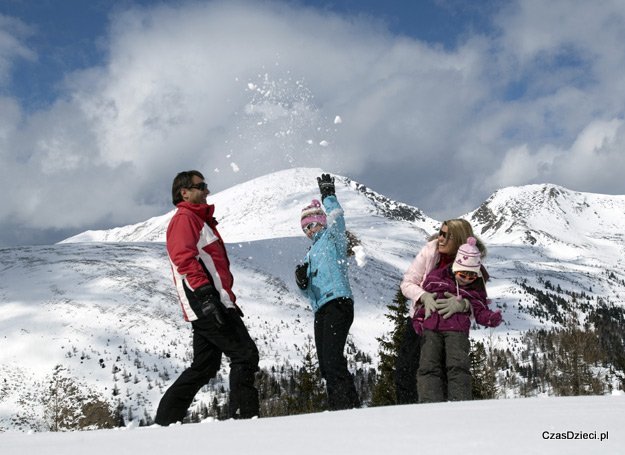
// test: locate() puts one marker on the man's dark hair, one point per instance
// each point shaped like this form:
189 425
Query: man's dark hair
183 180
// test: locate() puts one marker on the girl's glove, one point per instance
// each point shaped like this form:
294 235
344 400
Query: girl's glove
495 319
326 186
301 275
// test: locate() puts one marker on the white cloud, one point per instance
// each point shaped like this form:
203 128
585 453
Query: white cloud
12 47
593 163
520 166
199 85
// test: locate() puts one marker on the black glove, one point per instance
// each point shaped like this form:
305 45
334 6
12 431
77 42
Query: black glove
236 310
326 186
301 275
210 303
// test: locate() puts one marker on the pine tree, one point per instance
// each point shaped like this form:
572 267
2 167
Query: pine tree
384 389
310 389
59 401
484 384
577 351
609 325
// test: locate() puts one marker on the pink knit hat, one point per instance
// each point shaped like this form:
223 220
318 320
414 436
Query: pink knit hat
468 258
313 213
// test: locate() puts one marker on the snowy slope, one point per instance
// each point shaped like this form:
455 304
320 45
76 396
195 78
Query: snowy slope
511 427
102 303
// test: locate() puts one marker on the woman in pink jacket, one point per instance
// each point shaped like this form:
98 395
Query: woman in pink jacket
438 253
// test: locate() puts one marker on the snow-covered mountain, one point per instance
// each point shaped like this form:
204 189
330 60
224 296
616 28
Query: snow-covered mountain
102 303
553 217
269 207
549 233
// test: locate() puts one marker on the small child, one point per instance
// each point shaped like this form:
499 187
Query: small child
445 338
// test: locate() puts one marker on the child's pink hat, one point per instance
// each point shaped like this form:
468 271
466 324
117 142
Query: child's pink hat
313 213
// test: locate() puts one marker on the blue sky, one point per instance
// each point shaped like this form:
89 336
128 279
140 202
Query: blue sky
442 102
65 35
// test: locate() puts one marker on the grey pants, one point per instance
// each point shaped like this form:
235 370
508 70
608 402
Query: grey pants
444 367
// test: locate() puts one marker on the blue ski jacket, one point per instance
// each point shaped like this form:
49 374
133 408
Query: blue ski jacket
327 259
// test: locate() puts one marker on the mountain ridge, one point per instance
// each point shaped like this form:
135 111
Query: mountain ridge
296 188
106 310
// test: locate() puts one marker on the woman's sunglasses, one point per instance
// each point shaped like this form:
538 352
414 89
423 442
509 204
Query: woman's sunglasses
443 234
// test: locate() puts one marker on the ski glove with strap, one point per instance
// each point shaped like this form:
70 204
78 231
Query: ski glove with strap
210 303
326 186
301 275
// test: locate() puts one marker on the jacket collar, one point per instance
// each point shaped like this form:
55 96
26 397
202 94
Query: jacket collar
204 211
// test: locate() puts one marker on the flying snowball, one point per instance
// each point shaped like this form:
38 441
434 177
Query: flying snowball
338 120
360 255
234 167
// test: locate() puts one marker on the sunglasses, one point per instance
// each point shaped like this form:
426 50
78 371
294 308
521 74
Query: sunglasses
310 226
443 234
466 276
202 186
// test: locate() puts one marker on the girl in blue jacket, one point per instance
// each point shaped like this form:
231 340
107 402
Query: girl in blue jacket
323 277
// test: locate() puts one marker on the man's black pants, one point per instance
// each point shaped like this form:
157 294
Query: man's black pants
209 342
332 323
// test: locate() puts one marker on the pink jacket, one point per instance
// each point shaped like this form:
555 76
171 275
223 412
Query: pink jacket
422 264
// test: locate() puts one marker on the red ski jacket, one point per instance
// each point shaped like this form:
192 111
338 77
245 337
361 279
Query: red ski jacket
198 256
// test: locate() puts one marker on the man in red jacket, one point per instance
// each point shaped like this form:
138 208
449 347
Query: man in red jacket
204 283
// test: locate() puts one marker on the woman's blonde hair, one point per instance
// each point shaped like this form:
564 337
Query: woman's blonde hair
459 231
